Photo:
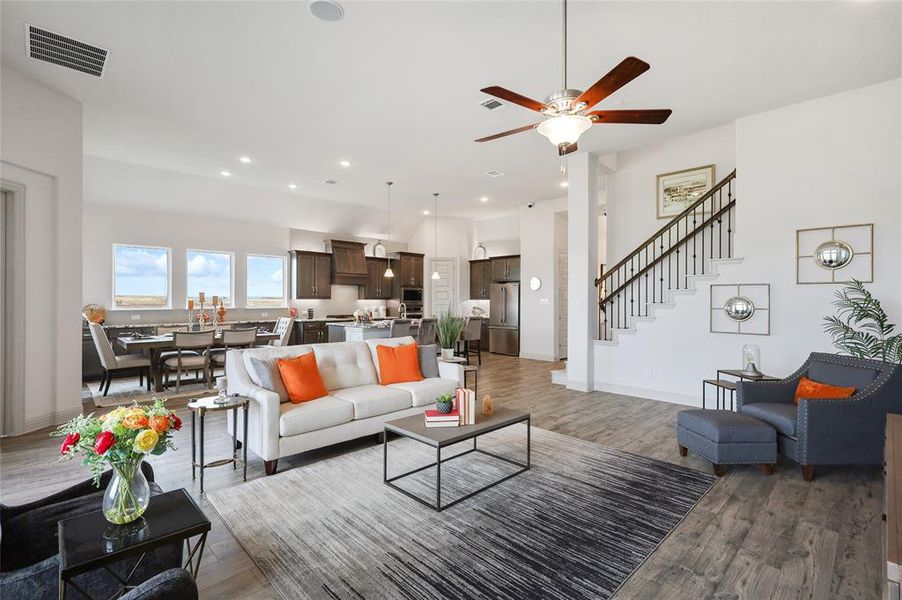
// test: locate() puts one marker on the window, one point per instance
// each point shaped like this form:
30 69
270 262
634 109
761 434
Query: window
211 273
265 281
140 277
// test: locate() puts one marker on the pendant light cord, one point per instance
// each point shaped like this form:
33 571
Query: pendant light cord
565 43
435 224
389 184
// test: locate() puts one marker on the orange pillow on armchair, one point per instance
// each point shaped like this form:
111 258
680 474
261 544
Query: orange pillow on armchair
398 364
809 388
301 378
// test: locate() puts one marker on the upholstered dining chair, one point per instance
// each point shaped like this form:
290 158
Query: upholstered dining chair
283 328
199 344
231 339
426 332
132 364
470 339
399 328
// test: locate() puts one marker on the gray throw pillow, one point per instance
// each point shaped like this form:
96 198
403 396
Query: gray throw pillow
428 357
270 379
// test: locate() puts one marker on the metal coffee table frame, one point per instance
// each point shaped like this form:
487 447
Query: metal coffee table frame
474 435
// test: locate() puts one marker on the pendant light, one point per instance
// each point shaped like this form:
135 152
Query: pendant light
388 272
435 274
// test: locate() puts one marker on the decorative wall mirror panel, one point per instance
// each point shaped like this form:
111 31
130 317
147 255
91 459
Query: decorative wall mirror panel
838 254
740 308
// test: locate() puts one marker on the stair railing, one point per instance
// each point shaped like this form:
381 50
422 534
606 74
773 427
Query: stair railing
680 249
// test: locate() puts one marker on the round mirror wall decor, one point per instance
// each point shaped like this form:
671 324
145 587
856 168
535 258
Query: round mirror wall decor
535 283
833 255
739 308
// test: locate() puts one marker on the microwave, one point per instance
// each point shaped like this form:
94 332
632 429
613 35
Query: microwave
411 295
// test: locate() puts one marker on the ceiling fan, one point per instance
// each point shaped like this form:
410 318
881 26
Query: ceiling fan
567 110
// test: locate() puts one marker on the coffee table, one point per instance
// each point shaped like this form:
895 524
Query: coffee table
414 427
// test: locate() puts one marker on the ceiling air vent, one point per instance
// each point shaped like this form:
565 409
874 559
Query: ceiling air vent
64 51
490 104
331 181
495 173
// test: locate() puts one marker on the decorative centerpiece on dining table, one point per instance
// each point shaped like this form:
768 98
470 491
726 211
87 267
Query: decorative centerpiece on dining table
121 439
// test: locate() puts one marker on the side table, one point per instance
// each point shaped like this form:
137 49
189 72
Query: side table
722 386
467 369
199 408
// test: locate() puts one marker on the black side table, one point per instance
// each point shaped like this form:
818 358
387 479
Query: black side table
199 408
722 386
88 542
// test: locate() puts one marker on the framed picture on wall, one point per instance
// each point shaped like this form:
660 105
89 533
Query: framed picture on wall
678 190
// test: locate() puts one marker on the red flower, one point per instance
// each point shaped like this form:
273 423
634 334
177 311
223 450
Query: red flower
104 441
69 441
176 422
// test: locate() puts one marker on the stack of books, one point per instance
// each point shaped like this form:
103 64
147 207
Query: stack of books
435 418
465 403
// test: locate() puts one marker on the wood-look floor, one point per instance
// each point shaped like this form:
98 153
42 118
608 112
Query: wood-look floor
751 537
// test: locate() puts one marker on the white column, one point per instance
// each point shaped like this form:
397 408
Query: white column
582 257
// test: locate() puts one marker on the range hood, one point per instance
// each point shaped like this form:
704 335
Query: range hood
348 263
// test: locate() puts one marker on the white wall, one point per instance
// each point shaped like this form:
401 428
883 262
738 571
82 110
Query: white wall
830 161
499 235
41 149
632 188
454 241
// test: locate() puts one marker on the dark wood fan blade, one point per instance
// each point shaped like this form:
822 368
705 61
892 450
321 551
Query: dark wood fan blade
563 150
505 94
630 68
507 133
648 117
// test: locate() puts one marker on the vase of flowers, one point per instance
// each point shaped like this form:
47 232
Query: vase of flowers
121 439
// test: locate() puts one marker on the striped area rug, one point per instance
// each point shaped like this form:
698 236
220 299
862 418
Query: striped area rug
574 526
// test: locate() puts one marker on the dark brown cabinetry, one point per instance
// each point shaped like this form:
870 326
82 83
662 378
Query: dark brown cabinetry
312 272
348 263
408 270
314 332
506 268
480 279
377 286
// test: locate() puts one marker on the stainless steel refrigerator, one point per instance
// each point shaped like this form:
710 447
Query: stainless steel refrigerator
504 325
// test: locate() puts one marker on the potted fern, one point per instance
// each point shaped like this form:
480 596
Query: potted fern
861 327
447 331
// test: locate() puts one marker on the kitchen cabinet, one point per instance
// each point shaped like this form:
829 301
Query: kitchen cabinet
313 277
480 279
411 269
314 332
505 268
377 286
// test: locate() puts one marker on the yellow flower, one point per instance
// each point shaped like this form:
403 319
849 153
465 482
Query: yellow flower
146 441
135 418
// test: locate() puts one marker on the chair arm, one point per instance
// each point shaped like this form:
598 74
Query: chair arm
840 431
174 583
750 392
263 413
447 370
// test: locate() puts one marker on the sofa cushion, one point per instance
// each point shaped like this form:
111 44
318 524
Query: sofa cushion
779 415
327 411
426 391
841 375
301 378
373 400
398 364
268 356
428 357
725 426
373 344
809 388
345 365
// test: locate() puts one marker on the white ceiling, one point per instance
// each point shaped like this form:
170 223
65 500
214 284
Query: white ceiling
394 87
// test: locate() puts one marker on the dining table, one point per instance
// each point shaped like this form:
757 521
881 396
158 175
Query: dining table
156 345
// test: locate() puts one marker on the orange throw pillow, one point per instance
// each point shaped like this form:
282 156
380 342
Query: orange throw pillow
398 364
301 378
809 388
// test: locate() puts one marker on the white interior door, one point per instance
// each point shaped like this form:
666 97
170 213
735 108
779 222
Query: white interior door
4 238
562 306
443 291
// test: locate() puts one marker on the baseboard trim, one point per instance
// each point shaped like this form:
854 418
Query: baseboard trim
545 357
48 420
579 386
626 390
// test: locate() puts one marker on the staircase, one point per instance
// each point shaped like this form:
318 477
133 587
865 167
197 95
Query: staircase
685 250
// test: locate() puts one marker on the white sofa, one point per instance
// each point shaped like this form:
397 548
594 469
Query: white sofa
356 405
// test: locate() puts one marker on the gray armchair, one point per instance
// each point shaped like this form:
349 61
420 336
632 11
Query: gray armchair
847 431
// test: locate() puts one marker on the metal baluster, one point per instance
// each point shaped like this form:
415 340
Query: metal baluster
678 256
720 224
646 283
694 231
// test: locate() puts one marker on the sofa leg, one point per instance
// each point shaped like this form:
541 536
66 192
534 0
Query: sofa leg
684 451
270 466
720 470
808 472
769 469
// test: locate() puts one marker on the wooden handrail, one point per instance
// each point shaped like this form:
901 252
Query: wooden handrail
672 249
670 224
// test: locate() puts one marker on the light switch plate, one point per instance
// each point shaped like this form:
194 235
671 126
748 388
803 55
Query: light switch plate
136 317
543 300
264 314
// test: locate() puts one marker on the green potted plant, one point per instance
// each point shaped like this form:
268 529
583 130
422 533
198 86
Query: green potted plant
861 327
444 403
447 331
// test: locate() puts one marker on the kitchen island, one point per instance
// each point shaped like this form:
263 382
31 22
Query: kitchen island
362 331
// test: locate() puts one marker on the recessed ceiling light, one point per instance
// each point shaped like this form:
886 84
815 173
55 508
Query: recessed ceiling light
245 159
425 212
565 184
484 199
345 163
225 173
292 186
327 10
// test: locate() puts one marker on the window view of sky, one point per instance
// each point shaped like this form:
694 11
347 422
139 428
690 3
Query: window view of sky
210 273
265 281
141 277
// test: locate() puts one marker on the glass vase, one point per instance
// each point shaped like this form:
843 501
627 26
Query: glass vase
128 494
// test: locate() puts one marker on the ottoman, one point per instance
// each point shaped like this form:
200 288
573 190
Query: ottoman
727 438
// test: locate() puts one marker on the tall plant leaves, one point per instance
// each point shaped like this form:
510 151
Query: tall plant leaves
861 327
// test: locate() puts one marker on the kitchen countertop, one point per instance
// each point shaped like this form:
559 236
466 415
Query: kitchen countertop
138 324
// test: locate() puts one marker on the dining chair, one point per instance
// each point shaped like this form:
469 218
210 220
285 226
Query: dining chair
470 339
399 328
197 342
232 339
128 363
426 332
283 328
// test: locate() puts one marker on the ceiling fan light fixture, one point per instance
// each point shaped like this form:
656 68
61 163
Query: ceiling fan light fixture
564 129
